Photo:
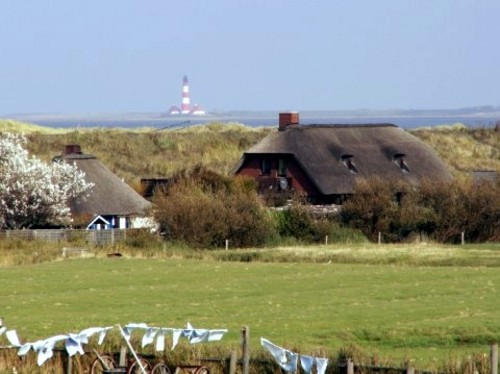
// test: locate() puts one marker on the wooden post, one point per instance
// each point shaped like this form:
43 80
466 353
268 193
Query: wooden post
122 361
494 359
232 363
379 238
326 240
410 370
227 244
69 365
350 367
463 237
246 349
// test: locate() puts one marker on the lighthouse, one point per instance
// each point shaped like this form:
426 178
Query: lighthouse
186 108
186 104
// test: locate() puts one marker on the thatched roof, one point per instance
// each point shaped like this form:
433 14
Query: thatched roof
323 150
110 194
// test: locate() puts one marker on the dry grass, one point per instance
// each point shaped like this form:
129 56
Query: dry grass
145 152
464 150
142 153
27 128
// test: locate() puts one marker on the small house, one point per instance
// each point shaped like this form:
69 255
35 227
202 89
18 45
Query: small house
111 203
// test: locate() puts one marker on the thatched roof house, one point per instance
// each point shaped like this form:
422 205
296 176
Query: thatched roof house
325 161
112 203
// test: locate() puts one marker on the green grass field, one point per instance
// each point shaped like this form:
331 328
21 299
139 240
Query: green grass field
401 310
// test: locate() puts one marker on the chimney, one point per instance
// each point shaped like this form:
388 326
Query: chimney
287 119
72 149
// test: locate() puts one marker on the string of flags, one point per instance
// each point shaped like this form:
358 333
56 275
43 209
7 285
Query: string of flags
288 360
73 343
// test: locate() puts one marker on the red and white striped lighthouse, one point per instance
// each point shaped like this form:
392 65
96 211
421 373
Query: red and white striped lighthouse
186 104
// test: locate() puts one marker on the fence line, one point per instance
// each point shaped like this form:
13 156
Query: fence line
97 237
245 362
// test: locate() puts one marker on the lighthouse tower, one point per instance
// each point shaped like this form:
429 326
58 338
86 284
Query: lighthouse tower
186 105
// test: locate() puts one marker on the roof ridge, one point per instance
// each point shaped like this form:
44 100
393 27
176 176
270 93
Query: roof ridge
344 125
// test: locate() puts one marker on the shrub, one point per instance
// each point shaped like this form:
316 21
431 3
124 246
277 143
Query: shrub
297 221
440 210
372 209
204 209
483 212
446 207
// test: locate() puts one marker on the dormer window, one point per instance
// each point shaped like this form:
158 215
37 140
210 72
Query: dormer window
400 161
348 161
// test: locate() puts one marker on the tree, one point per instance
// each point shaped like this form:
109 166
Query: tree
33 193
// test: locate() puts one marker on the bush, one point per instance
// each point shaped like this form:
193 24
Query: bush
373 208
483 212
204 209
442 211
297 221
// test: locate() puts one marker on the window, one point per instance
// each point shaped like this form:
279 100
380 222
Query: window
399 160
348 161
282 167
265 166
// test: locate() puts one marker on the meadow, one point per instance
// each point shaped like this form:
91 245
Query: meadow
422 304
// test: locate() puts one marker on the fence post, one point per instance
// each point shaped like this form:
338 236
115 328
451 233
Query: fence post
410 370
326 240
232 363
69 365
379 238
246 349
494 359
350 367
122 361
227 244
462 237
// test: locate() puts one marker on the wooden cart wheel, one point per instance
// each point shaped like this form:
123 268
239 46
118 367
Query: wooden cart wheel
160 369
135 368
97 366
202 370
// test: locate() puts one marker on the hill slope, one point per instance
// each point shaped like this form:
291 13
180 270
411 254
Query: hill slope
144 152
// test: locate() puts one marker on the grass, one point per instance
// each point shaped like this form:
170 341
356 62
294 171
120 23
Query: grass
463 150
27 128
400 309
144 152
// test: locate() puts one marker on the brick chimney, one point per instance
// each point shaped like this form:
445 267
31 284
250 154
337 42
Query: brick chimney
71 149
287 119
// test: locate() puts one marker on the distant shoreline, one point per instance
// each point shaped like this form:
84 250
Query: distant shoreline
472 117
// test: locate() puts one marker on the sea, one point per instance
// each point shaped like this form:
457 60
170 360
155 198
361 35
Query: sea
164 122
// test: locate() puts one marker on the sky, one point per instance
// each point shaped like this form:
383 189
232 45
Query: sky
116 56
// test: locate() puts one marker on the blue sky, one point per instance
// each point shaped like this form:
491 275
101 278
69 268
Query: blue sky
91 56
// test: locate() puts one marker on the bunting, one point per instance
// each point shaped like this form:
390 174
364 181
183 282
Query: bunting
73 343
288 360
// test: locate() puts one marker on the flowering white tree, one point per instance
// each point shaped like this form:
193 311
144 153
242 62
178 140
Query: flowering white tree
33 193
